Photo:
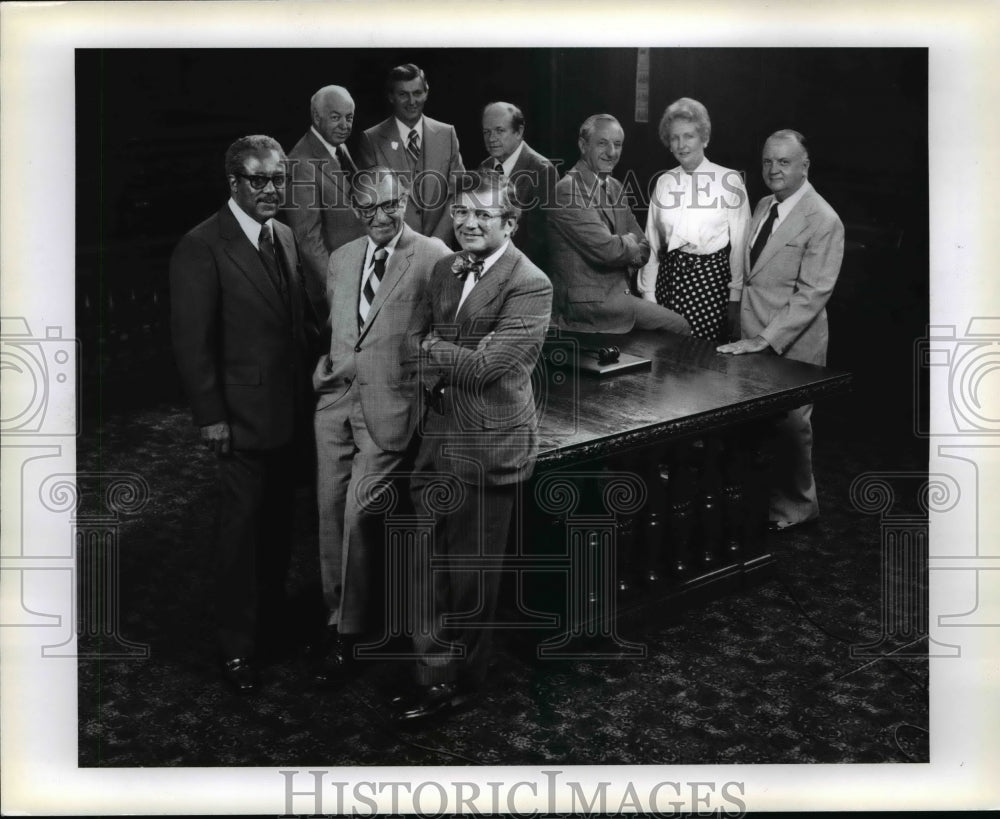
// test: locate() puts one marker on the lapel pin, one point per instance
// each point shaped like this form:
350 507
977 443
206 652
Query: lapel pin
395 145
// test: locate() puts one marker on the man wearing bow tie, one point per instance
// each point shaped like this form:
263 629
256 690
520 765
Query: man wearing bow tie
595 243
243 336
367 405
422 148
477 338
793 256
319 201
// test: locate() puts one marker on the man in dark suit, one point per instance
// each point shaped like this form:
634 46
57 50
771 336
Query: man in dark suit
533 176
595 243
793 255
242 329
477 336
367 407
423 148
318 206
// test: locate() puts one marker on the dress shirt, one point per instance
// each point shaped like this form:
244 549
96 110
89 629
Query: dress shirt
404 131
470 280
390 248
250 226
511 161
784 208
698 213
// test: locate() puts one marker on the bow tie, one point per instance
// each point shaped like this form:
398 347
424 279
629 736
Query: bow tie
464 265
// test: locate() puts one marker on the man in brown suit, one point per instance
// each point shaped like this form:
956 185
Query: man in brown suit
243 332
595 243
367 405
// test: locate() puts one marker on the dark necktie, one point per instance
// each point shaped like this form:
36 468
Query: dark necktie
271 263
413 145
371 284
498 167
346 163
763 235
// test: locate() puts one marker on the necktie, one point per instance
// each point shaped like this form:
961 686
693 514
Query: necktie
371 284
413 145
346 163
763 235
498 167
267 254
464 265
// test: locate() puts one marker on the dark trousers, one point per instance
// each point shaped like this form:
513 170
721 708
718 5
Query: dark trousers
252 555
459 651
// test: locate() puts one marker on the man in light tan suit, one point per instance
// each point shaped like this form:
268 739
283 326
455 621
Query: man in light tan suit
793 256
366 410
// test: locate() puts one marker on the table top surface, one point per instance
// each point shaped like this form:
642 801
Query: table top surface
689 390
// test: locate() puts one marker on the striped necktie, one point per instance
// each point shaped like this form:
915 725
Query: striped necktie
371 284
413 145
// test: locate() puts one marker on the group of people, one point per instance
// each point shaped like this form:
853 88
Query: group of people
358 334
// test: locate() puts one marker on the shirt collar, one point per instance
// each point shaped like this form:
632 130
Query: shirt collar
327 145
511 161
389 247
249 225
490 260
784 208
404 129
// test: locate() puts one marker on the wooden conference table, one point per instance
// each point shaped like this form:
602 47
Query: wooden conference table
650 485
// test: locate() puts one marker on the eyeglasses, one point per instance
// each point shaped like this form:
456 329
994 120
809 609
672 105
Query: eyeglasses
258 181
388 208
461 214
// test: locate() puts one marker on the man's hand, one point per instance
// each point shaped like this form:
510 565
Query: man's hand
485 340
733 320
747 345
216 438
429 341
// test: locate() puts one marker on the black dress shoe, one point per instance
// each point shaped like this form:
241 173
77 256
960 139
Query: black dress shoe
437 700
240 673
329 659
777 527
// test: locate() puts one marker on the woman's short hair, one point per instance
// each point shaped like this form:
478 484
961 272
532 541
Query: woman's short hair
686 110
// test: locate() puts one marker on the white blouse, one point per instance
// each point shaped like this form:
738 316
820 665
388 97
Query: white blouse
699 213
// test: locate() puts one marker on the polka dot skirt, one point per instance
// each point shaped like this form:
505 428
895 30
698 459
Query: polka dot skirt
697 287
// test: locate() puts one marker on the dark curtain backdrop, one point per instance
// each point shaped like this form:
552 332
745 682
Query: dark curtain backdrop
153 125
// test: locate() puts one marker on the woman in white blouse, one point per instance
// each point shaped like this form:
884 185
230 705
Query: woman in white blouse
697 226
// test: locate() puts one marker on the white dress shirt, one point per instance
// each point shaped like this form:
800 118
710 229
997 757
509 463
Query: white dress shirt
330 148
404 130
698 213
251 227
509 163
470 280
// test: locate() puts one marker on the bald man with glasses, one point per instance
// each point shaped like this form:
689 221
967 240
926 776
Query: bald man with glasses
366 408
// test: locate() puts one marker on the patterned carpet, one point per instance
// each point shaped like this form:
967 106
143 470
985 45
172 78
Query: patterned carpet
763 676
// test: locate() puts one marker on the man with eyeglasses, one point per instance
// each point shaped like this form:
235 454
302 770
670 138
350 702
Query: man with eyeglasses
318 206
477 337
595 243
423 149
367 405
243 334
532 175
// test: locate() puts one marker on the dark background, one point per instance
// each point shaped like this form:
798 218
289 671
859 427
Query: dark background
153 125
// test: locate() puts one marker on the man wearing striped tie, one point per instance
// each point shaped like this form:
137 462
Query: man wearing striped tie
366 408
422 148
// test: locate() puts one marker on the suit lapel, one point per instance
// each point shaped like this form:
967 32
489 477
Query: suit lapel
395 158
791 226
244 255
432 149
330 167
488 287
354 262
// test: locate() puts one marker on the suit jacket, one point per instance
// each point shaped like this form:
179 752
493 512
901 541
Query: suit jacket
371 356
440 159
243 353
534 179
486 429
318 207
785 293
590 261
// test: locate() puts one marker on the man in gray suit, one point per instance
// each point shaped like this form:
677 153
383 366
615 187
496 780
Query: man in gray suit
793 256
533 176
422 148
595 243
367 405
318 205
